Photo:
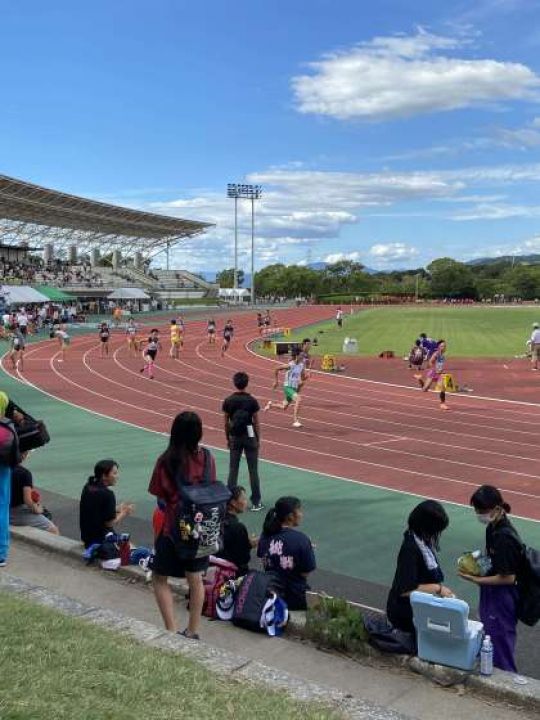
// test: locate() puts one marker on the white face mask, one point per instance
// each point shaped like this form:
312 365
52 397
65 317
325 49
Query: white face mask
484 519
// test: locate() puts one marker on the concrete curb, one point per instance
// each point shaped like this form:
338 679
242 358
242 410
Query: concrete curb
500 685
217 660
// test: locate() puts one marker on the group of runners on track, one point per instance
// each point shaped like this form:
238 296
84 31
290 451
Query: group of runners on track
427 356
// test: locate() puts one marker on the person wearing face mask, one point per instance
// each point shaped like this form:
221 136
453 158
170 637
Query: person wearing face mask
498 591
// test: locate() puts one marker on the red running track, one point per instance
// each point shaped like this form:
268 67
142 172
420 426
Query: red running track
359 430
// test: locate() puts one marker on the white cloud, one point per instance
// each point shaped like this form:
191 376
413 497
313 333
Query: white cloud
531 246
401 76
338 257
497 211
392 252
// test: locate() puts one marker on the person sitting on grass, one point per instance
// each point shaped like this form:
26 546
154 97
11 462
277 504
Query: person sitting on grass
237 543
98 511
286 551
25 507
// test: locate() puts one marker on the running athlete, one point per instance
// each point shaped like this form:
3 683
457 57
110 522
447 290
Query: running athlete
176 339
228 332
63 341
434 373
131 335
17 349
260 322
292 382
211 331
104 335
149 354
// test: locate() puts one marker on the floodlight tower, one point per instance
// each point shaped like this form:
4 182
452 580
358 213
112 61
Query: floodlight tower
247 192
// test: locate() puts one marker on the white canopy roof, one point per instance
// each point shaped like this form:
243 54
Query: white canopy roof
231 292
22 294
128 294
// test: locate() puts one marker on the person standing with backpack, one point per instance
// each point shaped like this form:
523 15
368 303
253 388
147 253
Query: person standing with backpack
499 596
184 464
243 433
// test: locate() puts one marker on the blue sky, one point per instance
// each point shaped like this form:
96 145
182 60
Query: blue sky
391 133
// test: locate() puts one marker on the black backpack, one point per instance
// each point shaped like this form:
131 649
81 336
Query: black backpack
198 523
9 444
528 582
255 589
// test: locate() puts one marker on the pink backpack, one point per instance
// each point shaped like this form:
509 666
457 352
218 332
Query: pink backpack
219 571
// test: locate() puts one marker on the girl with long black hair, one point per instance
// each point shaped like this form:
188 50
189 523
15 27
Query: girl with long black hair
498 591
418 566
286 551
183 457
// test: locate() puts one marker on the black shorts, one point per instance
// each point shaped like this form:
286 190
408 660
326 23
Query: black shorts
23 329
104 340
151 354
166 561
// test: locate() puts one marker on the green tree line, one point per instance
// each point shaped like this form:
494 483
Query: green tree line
443 278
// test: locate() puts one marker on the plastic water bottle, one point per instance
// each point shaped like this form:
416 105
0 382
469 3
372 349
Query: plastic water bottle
486 657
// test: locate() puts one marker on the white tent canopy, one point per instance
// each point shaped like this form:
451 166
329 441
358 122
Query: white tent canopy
233 293
128 294
21 294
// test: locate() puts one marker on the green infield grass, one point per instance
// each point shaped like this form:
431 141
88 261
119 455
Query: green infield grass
469 331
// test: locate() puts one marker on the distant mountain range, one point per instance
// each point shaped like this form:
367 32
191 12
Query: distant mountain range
518 260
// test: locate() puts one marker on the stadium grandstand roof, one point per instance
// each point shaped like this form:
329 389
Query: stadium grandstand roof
34 214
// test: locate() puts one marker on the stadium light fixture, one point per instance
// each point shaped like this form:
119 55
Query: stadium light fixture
244 192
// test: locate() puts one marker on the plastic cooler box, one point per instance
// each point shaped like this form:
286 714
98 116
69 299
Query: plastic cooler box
445 634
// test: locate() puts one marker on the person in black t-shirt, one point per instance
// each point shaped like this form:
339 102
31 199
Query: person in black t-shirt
243 436
97 510
417 564
498 591
25 507
237 544
287 552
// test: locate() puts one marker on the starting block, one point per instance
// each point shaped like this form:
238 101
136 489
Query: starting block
329 363
447 383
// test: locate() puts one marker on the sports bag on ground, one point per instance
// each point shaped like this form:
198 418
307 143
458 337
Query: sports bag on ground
250 601
9 444
219 571
198 524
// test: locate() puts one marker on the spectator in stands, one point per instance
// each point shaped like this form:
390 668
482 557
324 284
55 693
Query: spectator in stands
98 511
237 544
418 567
25 506
286 551
183 455
242 431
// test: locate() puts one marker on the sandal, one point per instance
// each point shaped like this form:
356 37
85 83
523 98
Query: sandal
190 636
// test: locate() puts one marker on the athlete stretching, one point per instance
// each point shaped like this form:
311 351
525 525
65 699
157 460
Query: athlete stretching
294 378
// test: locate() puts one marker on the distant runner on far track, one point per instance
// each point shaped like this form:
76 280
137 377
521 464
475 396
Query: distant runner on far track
294 378
149 354
211 331
228 332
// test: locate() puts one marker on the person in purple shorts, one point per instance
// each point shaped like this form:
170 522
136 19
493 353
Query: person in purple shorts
498 591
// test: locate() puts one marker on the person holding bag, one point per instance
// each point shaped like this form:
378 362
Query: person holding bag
499 596
184 479
9 457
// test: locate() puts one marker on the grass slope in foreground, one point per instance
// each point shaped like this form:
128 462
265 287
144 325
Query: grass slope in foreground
469 331
63 668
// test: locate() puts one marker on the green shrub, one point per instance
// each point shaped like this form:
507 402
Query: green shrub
334 623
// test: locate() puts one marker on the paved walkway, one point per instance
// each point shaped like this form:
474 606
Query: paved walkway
392 689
